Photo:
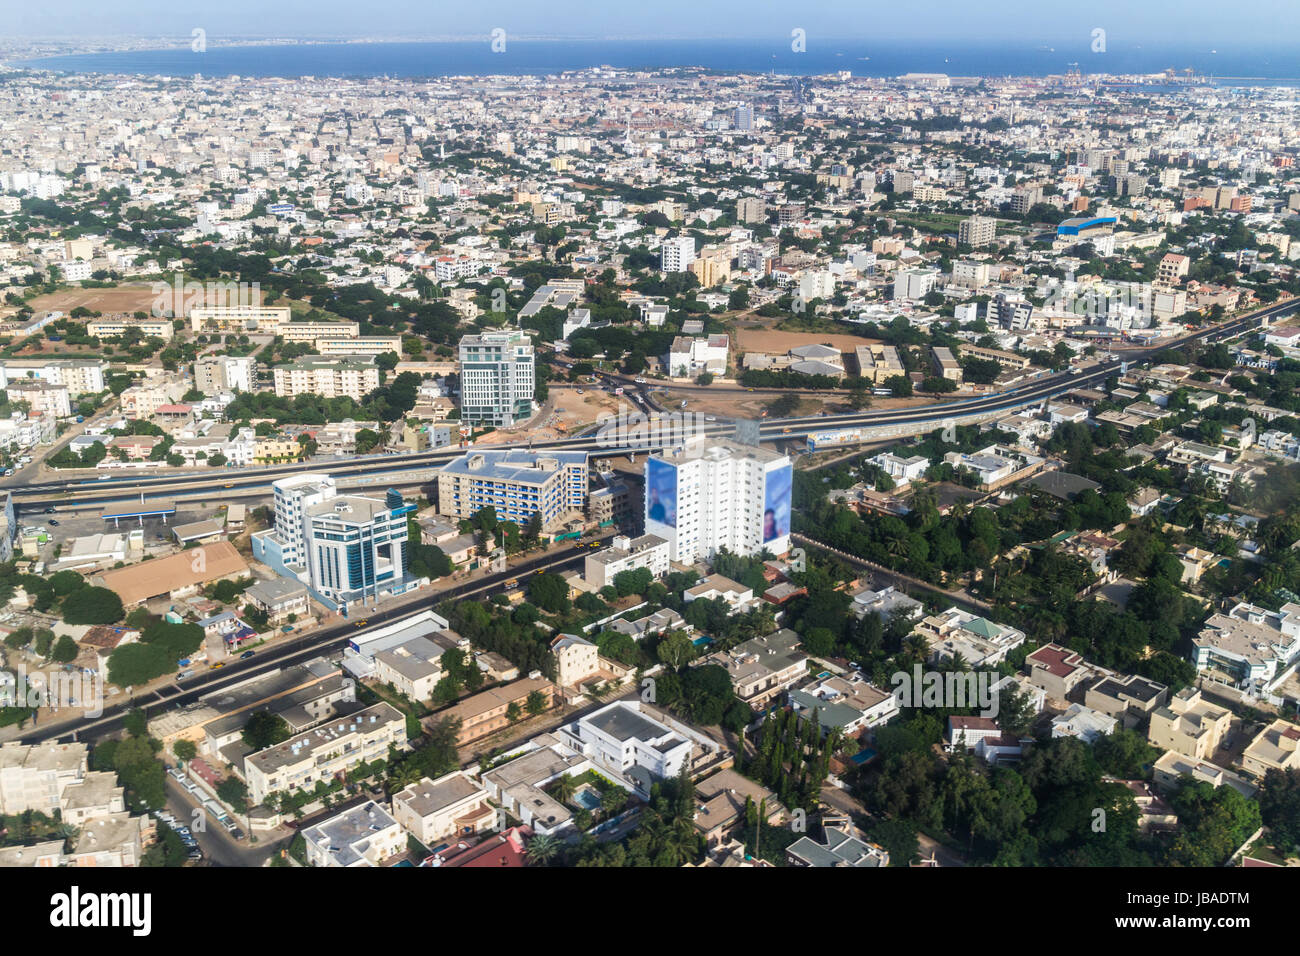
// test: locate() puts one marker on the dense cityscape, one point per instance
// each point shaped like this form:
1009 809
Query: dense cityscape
626 468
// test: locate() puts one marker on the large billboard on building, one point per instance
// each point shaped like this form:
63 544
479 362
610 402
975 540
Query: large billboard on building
776 503
834 438
661 493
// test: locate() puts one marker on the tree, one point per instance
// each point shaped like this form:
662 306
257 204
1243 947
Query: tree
676 649
185 750
899 385
1279 807
550 592
542 848
234 793
92 605
64 650
536 703
366 440
513 712
265 729
65 582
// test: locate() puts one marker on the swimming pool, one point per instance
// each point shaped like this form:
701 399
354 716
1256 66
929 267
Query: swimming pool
587 798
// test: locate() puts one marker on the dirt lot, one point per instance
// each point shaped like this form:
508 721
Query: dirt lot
733 405
770 340
129 297
124 298
565 413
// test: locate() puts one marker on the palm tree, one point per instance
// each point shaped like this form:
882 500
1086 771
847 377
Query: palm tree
565 788
542 848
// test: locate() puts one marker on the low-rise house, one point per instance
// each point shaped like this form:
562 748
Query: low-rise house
716 587
1171 768
1249 648
506 849
721 800
281 598
1189 725
488 711
1084 723
1276 747
365 835
413 667
1129 698
841 848
847 704
452 807
763 667
1056 669
888 602
979 641
637 746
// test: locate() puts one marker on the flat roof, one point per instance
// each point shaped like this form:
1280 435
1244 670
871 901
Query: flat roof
139 510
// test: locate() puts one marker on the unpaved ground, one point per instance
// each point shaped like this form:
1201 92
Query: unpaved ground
136 297
565 413
770 340
129 297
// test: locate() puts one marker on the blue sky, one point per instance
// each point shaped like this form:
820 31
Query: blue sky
1152 22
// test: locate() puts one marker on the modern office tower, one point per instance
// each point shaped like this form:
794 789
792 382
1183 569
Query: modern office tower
357 546
516 484
744 117
497 378
345 548
676 255
712 494
976 231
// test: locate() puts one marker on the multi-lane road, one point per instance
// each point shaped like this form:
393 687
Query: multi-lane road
213 483
296 650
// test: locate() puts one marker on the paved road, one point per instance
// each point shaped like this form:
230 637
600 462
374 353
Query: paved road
295 650
218 846
1038 390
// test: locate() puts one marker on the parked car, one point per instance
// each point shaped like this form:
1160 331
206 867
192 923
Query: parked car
246 655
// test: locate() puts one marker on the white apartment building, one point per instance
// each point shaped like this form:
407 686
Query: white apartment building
225 373
364 835
323 752
81 376
293 496
113 327
676 255
702 497
266 319
627 554
914 283
326 377
689 356
454 805
42 398
970 274
976 231
497 378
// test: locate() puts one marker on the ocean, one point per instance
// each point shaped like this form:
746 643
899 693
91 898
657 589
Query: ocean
1279 65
